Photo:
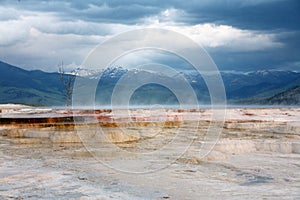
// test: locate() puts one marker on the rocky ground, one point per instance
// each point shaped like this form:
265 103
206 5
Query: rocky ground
149 154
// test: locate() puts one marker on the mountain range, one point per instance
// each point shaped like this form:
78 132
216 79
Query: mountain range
41 88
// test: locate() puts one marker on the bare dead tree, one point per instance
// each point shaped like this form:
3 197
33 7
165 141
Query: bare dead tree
67 81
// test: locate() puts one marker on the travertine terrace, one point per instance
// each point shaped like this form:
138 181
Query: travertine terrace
45 154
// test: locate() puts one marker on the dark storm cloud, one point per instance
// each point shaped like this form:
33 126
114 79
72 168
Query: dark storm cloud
108 17
258 15
284 57
245 14
269 15
90 10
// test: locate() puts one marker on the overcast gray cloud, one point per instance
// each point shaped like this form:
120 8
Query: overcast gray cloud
239 34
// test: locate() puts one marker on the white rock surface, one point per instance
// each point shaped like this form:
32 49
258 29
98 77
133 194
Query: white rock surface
256 157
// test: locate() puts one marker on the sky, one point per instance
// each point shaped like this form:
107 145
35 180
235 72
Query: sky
239 35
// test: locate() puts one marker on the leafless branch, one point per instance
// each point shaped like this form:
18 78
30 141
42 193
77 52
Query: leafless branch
67 82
